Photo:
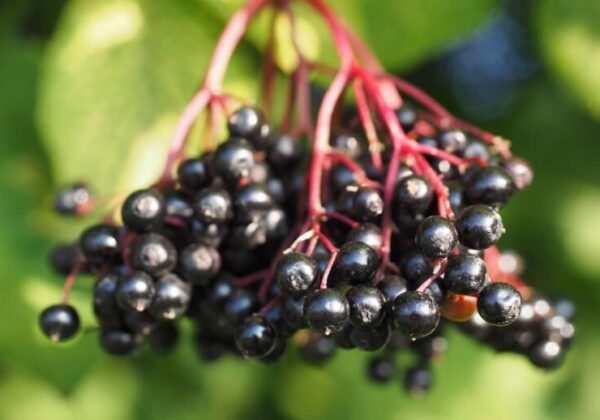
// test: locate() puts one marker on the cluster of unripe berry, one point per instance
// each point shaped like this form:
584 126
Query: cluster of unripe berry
219 244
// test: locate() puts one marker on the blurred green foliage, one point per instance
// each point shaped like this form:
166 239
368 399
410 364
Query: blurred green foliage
95 94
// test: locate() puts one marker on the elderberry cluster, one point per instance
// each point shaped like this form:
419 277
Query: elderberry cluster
219 246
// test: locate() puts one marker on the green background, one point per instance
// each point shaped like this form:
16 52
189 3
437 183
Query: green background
91 89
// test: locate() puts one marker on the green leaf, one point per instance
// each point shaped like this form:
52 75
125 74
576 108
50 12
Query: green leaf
401 33
23 274
116 76
569 36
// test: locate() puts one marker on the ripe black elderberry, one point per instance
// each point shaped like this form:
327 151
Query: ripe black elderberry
416 268
367 204
295 273
414 194
199 263
64 258
194 174
326 310
366 305
436 237
372 338
491 185
213 205
59 322
206 245
100 243
499 304
135 291
171 298
153 253
479 227
255 337
391 286
119 342
368 234
233 160
355 263
245 122
143 210
465 274
416 314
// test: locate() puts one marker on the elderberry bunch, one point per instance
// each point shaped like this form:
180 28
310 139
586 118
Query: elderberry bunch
219 245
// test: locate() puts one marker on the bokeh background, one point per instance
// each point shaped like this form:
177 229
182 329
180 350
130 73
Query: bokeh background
90 89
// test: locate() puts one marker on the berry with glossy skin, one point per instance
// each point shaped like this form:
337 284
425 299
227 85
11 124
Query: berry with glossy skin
491 185
177 206
293 311
153 253
64 258
436 237
499 304
213 205
414 194
72 200
391 286
59 322
245 122
255 337
326 310
295 273
251 199
452 141
456 196
143 210
194 174
372 338
465 274
171 298
367 204
209 234
199 263
135 291
119 342
100 243
238 306
284 154
368 234
105 295
233 160
418 380
519 170
416 314
366 306
437 291
415 268
356 263
381 369
479 227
